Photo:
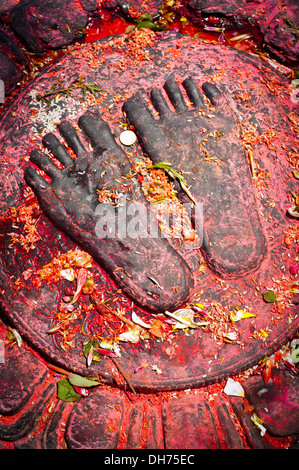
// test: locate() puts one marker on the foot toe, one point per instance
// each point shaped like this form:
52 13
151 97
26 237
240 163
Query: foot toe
59 151
35 180
71 137
193 93
213 93
44 163
175 95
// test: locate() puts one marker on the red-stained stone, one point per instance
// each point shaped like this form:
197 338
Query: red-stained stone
52 24
25 395
276 402
189 424
10 73
190 360
19 375
90 429
252 433
267 15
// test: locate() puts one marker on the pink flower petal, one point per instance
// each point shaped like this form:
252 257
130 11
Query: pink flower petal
105 352
294 269
82 391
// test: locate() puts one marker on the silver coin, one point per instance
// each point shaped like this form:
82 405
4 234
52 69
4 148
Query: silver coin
128 138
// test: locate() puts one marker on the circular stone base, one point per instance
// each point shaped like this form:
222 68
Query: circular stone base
120 67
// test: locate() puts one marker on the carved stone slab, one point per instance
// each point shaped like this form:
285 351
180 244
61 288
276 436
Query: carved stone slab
258 102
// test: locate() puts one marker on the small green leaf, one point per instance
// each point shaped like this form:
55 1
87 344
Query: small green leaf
80 381
174 174
130 28
147 24
66 391
96 357
145 16
269 297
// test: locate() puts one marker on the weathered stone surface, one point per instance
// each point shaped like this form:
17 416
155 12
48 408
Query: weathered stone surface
189 424
52 436
13 60
19 375
95 421
52 24
11 47
253 437
133 425
268 15
154 427
7 5
9 73
276 402
109 419
183 362
228 433
22 423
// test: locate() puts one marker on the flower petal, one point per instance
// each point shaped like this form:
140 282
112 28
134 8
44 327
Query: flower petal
233 388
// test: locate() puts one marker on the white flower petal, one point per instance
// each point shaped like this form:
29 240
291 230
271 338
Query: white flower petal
233 388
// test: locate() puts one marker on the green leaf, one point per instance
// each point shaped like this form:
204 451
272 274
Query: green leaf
145 16
66 391
96 357
80 381
130 28
174 174
269 297
147 24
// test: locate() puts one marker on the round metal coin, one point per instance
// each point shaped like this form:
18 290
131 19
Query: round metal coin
128 138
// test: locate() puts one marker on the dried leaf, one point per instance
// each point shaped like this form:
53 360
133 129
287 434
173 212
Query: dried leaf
258 423
295 353
107 348
156 369
82 391
54 329
294 211
266 372
91 345
241 37
130 336
269 297
157 328
90 356
187 322
140 368
229 337
81 281
16 335
106 352
239 315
